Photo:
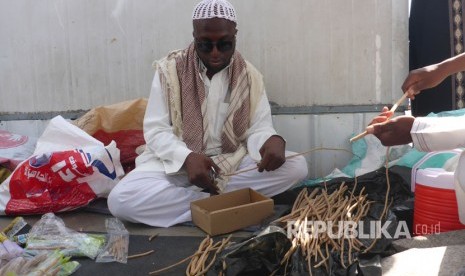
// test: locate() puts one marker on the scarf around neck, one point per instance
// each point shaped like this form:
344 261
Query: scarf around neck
193 102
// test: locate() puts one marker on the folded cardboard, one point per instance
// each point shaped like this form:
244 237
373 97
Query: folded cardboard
221 214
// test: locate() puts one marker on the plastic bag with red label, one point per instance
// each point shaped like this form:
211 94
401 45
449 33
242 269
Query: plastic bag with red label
68 169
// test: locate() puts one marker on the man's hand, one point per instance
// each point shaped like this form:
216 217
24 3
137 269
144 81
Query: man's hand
198 167
423 78
272 153
393 132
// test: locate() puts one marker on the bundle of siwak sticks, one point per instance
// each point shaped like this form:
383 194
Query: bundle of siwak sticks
203 259
313 240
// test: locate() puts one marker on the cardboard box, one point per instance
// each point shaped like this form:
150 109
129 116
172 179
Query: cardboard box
221 214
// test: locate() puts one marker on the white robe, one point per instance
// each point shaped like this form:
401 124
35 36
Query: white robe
444 133
157 191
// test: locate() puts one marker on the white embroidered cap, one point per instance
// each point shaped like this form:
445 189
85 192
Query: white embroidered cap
207 9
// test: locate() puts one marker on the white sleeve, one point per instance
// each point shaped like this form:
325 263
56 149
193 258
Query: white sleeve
261 128
438 133
158 132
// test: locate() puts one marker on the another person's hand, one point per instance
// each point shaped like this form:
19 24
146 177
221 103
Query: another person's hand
423 78
393 132
198 167
273 154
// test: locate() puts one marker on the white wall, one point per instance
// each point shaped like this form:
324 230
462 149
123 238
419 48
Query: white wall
58 56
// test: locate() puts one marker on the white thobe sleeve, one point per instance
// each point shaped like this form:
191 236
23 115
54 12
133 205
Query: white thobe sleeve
261 128
158 132
438 133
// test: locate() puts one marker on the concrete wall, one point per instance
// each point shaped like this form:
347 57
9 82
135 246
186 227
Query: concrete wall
329 65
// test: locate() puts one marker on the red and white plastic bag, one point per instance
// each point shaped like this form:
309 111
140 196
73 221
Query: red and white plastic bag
68 169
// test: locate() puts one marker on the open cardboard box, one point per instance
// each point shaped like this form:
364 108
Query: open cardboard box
221 214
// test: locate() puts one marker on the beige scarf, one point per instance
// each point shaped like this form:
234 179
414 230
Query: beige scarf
185 93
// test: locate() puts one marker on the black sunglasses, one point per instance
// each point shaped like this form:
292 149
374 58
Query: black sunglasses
207 46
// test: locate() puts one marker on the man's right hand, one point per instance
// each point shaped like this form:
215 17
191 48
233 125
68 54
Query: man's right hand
423 78
393 132
198 167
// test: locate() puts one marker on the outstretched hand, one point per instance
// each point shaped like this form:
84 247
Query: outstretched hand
273 154
392 132
198 167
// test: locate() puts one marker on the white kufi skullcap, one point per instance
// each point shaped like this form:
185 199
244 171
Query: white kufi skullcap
207 9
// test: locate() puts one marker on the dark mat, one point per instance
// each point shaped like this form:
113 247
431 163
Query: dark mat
168 251
98 205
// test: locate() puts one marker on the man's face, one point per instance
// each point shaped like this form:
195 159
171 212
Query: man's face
215 41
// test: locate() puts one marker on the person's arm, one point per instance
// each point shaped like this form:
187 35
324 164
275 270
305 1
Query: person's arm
392 132
264 144
432 75
438 133
426 133
158 132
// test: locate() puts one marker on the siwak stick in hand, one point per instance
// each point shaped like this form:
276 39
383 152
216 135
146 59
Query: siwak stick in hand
393 109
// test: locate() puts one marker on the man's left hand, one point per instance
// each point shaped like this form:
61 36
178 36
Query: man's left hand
393 132
272 153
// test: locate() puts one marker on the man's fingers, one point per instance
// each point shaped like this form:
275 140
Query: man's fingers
377 128
414 89
274 165
212 187
370 129
270 164
379 119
